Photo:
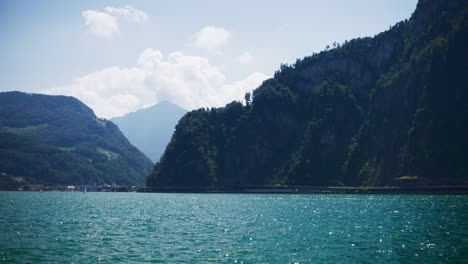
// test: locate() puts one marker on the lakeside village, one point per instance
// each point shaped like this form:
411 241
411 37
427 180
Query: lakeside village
77 188
21 184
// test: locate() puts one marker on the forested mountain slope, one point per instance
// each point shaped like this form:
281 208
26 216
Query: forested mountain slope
362 113
58 140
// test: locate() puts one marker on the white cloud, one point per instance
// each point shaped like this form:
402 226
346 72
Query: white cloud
105 24
189 81
127 12
245 58
211 37
99 23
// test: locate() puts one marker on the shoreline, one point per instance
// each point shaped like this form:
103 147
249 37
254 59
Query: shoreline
313 190
273 189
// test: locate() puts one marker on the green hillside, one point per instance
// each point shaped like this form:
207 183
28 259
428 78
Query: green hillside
58 140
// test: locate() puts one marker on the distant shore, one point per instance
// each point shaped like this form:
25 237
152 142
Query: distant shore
259 189
459 189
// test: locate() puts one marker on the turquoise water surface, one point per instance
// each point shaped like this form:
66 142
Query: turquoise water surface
61 227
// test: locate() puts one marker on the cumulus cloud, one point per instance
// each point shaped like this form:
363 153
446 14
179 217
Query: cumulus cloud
211 37
189 81
245 58
105 24
99 23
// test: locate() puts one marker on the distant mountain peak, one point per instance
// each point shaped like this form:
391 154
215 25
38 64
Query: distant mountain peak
161 106
151 128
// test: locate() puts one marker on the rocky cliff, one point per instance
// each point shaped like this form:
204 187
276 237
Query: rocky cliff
365 112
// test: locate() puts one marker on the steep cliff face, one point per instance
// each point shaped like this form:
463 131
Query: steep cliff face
417 117
362 113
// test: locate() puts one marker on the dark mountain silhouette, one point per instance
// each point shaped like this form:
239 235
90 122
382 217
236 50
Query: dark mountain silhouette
363 113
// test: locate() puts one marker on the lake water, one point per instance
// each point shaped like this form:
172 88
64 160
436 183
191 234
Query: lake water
232 228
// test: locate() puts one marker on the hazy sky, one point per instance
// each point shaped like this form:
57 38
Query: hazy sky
119 56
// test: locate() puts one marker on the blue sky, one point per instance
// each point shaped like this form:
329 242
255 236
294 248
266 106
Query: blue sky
119 56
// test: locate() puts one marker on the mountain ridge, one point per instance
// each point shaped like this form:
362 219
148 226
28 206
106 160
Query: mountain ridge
362 114
59 140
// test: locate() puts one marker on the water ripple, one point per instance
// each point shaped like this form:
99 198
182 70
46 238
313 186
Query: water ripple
231 228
